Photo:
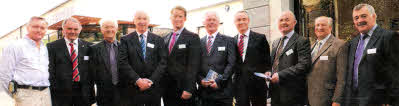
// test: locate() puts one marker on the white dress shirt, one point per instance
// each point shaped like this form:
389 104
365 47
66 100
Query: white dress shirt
23 62
213 37
145 36
245 43
75 45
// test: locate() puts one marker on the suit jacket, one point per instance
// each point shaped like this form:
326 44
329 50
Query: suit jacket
60 69
294 64
326 67
101 72
221 59
184 60
257 59
395 66
134 66
374 70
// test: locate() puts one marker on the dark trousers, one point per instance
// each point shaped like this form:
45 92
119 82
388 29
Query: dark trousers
111 97
217 102
254 93
171 94
149 97
75 99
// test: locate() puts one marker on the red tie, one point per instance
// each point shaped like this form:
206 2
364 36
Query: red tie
241 45
172 42
74 59
209 45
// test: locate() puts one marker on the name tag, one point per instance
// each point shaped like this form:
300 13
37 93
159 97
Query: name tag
150 45
182 46
372 51
289 52
221 48
323 57
85 57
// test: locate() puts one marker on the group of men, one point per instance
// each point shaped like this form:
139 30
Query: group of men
188 71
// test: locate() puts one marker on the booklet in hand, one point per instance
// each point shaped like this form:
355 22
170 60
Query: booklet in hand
262 75
212 75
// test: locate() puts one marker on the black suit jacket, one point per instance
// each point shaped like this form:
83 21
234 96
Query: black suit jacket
100 71
184 60
132 64
60 69
221 59
294 64
374 69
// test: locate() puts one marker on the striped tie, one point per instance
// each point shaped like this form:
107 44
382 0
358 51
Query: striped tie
143 45
241 45
209 45
172 42
74 59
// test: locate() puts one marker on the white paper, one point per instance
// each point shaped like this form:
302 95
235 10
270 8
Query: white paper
86 58
289 52
262 75
372 51
221 48
323 57
182 46
150 45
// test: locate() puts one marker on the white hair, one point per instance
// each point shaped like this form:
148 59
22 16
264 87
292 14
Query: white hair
211 13
329 20
70 19
102 21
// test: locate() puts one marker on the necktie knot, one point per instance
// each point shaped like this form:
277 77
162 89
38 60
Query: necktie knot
364 36
71 44
242 36
210 37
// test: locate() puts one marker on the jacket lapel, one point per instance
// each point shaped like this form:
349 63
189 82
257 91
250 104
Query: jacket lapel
66 50
371 42
215 44
291 41
324 48
104 54
274 50
136 42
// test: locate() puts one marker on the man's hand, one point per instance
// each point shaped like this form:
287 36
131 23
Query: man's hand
335 104
143 84
205 83
186 95
214 85
275 78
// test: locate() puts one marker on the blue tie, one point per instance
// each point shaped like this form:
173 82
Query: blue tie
358 57
143 45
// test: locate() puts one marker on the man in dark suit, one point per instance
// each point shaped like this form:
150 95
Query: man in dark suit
369 61
291 62
142 63
395 73
179 83
70 81
252 56
328 63
104 66
218 54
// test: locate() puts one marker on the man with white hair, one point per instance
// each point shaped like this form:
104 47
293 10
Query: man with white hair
328 65
71 84
25 64
142 63
104 66
217 55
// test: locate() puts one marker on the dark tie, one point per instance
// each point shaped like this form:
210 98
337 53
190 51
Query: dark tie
74 60
316 50
143 45
112 60
241 45
277 56
358 57
209 45
172 42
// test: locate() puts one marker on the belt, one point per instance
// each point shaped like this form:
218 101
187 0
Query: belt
40 88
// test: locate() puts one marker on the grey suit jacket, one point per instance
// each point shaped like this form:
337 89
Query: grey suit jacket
326 67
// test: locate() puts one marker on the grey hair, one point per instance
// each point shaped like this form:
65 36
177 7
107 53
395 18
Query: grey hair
70 19
369 8
102 21
37 18
243 11
211 12
329 20
289 12
143 12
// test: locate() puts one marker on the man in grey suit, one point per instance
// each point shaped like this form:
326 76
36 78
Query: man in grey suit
291 62
218 55
328 64
370 61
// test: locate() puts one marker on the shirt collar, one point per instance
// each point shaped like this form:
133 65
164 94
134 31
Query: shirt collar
370 33
32 42
325 39
145 33
246 32
68 41
179 31
213 35
115 43
290 34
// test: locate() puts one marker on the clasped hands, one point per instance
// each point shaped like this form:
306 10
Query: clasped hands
274 78
144 83
211 83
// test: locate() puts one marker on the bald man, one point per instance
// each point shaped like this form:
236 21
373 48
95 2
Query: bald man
291 62
142 62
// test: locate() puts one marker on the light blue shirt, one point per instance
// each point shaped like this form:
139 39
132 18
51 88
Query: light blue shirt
370 33
288 38
23 62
